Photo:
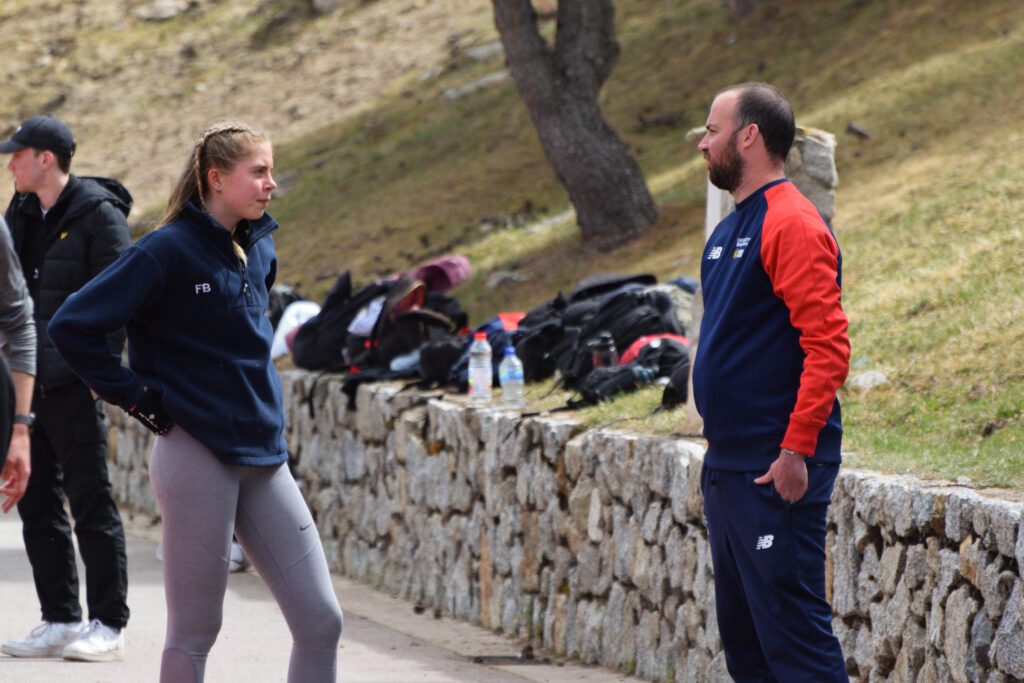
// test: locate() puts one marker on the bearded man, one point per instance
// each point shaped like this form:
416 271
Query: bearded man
773 352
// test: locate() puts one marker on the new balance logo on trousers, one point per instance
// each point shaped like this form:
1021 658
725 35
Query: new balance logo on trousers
769 565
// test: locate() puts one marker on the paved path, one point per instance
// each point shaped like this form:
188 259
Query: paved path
384 640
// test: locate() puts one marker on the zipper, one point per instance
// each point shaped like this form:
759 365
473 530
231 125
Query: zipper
246 289
243 269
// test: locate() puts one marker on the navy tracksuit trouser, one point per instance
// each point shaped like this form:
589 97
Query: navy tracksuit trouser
769 561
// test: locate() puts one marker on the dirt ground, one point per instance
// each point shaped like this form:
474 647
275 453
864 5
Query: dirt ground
136 92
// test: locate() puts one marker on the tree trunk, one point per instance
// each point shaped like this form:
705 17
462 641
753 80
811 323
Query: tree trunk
560 86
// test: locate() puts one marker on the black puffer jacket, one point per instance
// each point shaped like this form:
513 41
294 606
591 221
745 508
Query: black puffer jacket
84 232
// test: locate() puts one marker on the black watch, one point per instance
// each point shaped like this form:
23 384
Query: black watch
27 419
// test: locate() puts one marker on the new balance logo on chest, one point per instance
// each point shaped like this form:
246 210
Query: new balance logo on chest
764 542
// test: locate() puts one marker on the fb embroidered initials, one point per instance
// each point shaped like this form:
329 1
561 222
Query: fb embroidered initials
764 542
203 287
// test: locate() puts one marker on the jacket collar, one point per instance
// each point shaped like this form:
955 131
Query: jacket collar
81 194
250 231
759 192
30 205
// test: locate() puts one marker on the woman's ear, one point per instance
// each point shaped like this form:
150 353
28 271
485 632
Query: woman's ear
213 179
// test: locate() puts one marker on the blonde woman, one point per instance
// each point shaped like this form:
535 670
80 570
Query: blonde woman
191 296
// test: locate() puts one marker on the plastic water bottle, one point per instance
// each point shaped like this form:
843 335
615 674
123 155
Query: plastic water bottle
510 373
480 372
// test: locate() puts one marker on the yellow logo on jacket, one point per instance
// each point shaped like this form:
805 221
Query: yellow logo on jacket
64 234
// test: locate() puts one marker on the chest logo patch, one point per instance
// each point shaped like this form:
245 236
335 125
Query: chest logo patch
715 254
203 288
741 247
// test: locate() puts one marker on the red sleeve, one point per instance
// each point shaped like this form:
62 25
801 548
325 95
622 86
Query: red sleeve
801 258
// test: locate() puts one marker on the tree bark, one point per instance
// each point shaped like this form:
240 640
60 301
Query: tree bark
560 87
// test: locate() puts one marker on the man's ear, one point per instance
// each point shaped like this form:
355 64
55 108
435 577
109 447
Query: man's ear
47 159
750 134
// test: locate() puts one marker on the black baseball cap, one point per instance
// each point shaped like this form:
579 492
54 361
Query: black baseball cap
42 133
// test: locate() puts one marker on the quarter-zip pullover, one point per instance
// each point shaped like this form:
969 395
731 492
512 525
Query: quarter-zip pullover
194 314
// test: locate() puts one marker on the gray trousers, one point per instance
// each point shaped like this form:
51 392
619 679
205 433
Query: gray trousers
202 501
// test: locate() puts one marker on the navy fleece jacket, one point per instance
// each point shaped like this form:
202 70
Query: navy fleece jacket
773 347
194 314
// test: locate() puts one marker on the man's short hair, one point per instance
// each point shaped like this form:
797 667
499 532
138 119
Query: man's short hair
63 162
765 106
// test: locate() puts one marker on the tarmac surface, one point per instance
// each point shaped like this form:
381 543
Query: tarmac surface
384 640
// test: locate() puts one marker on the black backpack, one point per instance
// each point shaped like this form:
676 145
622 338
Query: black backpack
607 382
660 358
320 342
551 330
606 283
437 358
402 327
280 296
538 333
665 355
449 306
678 388
627 316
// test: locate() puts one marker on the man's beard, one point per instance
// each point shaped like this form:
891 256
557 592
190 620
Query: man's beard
727 173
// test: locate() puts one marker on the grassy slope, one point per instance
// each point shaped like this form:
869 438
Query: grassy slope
929 209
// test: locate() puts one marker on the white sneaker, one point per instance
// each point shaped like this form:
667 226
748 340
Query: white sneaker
97 643
46 640
237 561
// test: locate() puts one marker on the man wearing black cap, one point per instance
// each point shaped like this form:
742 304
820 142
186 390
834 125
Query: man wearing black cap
66 230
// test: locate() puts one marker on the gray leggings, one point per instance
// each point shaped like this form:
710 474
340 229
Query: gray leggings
203 500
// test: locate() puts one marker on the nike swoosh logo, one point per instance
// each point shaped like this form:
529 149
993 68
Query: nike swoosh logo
303 528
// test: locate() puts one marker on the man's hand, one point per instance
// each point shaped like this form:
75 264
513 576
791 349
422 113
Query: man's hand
789 474
16 470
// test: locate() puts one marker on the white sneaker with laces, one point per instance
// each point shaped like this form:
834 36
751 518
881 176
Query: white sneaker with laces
46 640
97 643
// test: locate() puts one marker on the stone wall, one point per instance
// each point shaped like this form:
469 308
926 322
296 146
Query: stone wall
590 544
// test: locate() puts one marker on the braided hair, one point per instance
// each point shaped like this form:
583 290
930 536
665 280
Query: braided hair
220 146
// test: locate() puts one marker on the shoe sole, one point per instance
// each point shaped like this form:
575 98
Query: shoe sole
30 654
116 656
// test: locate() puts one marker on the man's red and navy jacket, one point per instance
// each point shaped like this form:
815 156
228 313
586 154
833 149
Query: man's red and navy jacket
773 346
